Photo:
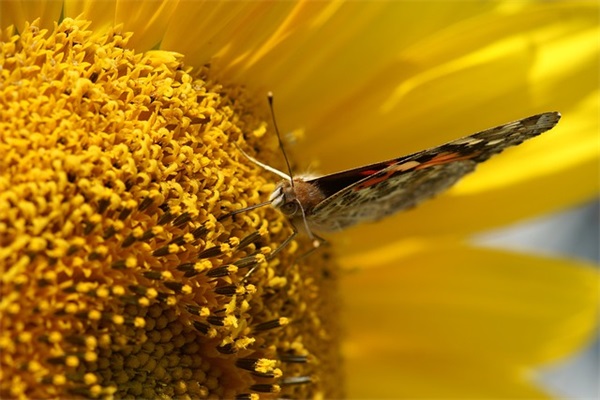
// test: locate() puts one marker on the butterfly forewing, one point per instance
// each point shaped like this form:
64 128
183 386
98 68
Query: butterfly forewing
374 191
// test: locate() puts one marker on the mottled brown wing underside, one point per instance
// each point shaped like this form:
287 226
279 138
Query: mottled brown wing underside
402 183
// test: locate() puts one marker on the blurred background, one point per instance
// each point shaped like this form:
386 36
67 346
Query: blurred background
576 234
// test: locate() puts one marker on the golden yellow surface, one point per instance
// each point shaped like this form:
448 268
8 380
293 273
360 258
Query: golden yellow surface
427 314
121 273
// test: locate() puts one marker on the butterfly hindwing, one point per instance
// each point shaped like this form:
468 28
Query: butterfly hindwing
372 192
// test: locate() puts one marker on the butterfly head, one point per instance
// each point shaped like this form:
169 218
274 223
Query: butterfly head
284 198
296 197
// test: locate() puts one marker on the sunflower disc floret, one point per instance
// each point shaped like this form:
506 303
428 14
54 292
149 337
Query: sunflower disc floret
122 273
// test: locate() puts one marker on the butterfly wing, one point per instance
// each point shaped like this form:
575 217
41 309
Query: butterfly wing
375 191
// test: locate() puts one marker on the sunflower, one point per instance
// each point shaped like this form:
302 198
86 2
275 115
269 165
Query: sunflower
128 271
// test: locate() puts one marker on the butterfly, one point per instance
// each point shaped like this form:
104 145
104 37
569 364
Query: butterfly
369 193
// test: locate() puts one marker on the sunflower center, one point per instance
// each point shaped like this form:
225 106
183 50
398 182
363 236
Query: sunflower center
122 272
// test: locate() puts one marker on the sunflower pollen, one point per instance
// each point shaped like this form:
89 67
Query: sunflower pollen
121 274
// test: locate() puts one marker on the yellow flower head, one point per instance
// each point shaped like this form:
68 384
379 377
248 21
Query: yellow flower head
124 272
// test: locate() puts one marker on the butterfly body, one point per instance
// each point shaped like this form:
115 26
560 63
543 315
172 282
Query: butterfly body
337 201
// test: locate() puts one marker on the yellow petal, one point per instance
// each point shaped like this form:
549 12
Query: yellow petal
510 73
431 376
148 20
19 13
231 35
462 322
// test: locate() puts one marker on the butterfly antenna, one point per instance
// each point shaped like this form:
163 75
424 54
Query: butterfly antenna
316 240
287 162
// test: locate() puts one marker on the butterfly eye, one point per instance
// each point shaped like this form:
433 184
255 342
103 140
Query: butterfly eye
289 208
